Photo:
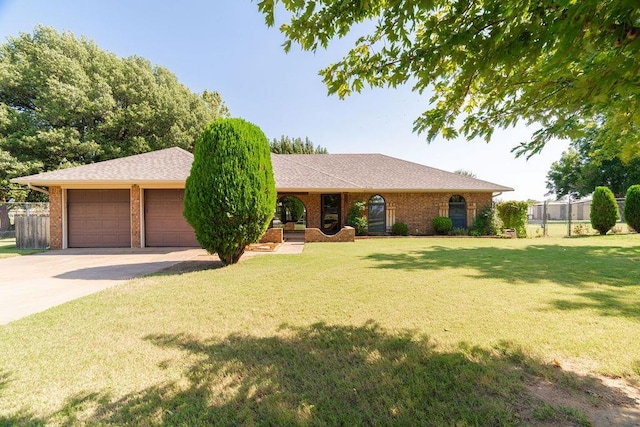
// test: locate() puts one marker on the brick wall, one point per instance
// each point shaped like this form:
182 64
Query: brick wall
346 234
272 235
417 210
136 235
55 217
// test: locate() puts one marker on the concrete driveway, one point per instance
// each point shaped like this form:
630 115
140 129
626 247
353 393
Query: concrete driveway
34 283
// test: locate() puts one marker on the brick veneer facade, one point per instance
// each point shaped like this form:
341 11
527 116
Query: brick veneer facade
417 210
346 234
273 235
55 217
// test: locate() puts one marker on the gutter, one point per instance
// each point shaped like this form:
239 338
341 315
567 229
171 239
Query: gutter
39 189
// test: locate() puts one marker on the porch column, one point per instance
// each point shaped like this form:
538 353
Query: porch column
136 225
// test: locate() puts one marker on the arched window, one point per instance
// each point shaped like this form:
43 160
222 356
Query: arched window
377 215
458 211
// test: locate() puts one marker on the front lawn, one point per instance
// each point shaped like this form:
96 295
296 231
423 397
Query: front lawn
8 248
408 331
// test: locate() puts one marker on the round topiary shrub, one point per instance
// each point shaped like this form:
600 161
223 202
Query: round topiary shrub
442 225
400 229
604 210
632 207
230 195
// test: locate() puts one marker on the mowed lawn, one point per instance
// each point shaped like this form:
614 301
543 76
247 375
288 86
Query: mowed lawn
8 248
408 331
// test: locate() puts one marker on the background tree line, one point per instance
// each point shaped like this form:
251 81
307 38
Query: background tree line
66 102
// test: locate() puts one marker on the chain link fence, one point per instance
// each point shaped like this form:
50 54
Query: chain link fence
567 218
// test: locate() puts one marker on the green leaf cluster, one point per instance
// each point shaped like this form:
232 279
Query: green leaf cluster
604 210
563 65
442 225
356 218
66 102
291 209
399 228
513 214
632 207
485 223
230 194
586 166
286 145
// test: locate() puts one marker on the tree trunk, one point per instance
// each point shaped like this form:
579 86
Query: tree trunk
5 225
232 257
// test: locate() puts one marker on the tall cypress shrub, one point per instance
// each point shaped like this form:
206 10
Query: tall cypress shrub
230 195
604 210
632 207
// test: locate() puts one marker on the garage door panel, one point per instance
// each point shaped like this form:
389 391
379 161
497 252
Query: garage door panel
98 218
164 223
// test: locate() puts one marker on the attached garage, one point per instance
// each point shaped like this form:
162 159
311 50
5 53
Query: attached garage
164 223
98 218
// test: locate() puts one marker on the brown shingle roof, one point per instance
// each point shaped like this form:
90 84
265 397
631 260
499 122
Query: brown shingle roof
367 172
292 172
168 165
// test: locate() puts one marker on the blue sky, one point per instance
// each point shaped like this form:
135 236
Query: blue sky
224 45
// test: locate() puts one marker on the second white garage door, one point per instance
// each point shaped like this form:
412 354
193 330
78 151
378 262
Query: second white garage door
163 220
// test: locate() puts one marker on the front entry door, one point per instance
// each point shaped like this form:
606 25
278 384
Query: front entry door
330 213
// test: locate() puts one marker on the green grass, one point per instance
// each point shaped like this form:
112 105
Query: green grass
8 249
420 331
578 228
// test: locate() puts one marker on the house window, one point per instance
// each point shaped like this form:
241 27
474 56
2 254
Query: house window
331 204
376 217
458 211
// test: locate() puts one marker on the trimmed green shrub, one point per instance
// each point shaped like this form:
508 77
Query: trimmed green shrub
400 229
604 210
513 214
459 231
230 194
442 225
356 218
632 207
292 209
485 223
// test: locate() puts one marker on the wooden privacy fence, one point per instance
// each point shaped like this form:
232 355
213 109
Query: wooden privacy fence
32 232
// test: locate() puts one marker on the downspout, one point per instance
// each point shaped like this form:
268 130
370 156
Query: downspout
39 189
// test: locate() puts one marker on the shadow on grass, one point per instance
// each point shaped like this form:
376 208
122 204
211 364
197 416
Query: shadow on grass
335 375
21 418
617 268
191 266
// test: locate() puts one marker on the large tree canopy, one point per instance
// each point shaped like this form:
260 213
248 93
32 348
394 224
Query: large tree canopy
581 169
65 102
563 65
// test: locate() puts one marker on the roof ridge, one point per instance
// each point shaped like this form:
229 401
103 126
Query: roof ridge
325 173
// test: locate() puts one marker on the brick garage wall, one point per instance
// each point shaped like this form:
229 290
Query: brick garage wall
136 235
417 210
55 217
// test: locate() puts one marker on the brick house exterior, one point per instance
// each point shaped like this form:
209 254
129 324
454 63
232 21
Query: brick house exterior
411 193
